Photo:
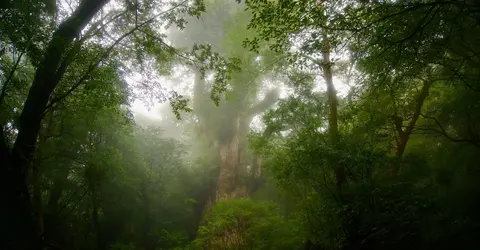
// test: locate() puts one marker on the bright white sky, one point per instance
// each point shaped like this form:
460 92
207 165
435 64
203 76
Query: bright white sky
139 108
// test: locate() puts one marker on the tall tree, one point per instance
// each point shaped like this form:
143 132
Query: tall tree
53 61
307 32
18 229
225 128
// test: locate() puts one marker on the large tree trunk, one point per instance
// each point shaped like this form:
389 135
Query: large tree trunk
234 179
230 140
229 159
17 227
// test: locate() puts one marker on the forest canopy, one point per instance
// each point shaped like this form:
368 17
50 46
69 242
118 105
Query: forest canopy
259 124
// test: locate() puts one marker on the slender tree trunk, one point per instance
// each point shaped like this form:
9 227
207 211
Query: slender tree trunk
17 227
96 220
9 78
53 221
198 91
147 225
255 180
332 106
37 176
37 201
404 134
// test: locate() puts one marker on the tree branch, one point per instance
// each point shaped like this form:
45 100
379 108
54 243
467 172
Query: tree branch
9 78
4 149
105 55
269 99
419 104
171 49
443 132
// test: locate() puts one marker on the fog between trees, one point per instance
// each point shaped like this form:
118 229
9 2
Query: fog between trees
212 124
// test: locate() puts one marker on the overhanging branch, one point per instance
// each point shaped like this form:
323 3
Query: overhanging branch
444 133
106 54
9 78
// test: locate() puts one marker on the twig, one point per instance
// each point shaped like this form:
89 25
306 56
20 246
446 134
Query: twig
443 132
69 198
170 48
74 205
107 52
9 78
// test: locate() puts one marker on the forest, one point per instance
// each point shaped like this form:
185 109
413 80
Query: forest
256 124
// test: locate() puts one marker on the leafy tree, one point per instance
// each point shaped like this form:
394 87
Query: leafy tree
55 55
401 72
372 145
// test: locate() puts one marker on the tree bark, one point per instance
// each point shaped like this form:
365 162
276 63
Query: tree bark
339 170
37 177
53 223
256 179
147 224
404 134
228 167
233 178
17 227
96 219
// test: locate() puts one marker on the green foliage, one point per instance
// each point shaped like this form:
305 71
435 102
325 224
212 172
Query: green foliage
100 181
245 224
122 246
369 212
214 62
397 47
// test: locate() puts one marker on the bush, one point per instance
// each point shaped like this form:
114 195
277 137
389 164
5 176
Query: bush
245 224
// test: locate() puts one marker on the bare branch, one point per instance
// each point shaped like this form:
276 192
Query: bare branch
170 48
443 132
